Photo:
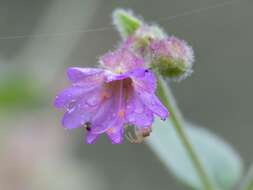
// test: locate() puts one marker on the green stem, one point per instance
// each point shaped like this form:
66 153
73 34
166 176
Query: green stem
247 183
177 120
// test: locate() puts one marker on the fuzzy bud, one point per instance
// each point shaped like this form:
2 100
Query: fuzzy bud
173 57
142 38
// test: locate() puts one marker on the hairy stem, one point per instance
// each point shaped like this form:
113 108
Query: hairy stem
167 98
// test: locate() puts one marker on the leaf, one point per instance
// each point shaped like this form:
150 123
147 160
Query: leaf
125 22
221 162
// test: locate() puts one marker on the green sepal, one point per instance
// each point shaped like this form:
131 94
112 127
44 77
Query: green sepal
125 22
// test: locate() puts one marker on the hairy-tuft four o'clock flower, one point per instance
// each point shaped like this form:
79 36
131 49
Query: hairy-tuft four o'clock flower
107 99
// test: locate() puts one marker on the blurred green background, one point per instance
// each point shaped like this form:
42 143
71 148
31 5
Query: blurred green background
40 39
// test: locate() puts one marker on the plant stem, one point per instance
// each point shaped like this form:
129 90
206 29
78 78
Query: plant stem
247 183
167 98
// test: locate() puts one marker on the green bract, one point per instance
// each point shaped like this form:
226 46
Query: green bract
125 22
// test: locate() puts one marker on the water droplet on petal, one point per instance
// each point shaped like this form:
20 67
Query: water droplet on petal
70 109
92 101
131 118
139 109
71 106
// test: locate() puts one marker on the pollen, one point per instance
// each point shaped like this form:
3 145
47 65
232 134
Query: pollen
122 113
119 70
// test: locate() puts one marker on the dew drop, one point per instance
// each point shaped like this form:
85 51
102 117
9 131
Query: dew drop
70 109
131 118
129 107
92 101
71 106
139 109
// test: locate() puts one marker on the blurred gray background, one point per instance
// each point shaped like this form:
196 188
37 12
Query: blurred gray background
40 39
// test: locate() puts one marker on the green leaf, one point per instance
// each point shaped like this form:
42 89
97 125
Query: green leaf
125 22
222 163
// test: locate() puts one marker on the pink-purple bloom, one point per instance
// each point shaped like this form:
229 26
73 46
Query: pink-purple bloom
107 99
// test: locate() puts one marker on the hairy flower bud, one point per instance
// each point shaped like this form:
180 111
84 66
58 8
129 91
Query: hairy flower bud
140 41
173 57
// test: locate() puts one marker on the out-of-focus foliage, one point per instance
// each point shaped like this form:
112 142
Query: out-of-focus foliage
19 91
222 163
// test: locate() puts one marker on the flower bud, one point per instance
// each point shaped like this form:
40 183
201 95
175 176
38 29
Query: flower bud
173 57
142 38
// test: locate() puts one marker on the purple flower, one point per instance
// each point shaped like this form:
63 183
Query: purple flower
107 99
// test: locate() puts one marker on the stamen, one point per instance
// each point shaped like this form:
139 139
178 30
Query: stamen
122 113
121 108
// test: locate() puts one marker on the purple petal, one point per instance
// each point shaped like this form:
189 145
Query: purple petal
137 113
143 79
82 110
144 83
64 98
76 74
106 116
121 59
115 134
154 104
91 138
87 78
72 119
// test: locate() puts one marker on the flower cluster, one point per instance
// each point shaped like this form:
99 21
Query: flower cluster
122 91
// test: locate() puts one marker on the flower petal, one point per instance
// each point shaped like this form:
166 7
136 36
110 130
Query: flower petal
121 59
82 110
137 113
76 74
64 98
143 79
106 116
91 138
116 134
144 83
154 104
87 78
72 119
